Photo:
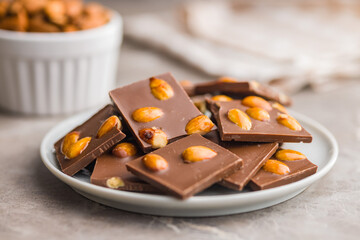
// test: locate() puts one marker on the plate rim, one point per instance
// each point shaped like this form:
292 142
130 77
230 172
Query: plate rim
151 199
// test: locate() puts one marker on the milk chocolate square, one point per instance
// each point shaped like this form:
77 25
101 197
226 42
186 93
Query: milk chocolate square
177 110
110 168
298 169
260 131
183 179
96 146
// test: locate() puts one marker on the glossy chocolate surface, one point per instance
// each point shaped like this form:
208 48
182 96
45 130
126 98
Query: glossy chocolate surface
299 169
186 179
108 166
96 147
261 131
254 156
178 110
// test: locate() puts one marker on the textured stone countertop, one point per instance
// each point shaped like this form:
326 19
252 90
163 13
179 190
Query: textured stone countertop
36 205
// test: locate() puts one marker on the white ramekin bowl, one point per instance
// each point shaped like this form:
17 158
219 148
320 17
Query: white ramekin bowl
58 73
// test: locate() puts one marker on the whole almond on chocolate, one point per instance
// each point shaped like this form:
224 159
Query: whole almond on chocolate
77 148
200 124
147 114
279 107
289 155
255 101
161 89
125 149
239 118
155 162
258 113
198 153
289 122
227 79
115 182
277 167
154 136
221 98
108 124
69 140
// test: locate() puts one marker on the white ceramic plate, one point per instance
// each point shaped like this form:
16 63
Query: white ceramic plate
215 201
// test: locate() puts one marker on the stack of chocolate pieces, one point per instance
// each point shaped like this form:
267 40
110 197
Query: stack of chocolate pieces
155 139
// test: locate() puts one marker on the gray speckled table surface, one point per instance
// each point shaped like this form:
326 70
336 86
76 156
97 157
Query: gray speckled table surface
36 205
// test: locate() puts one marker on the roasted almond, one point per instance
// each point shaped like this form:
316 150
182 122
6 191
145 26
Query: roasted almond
221 98
77 148
279 107
147 114
123 150
289 155
115 182
107 125
254 101
155 162
258 113
69 140
3 8
153 136
277 167
161 89
56 12
227 79
200 124
198 153
239 118
288 121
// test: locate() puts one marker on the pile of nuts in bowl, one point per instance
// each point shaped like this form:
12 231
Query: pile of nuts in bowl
51 15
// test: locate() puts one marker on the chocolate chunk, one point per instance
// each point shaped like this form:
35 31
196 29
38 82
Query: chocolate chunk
240 89
95 147
176 106
108 166
260 131
183 179
254 156
298 169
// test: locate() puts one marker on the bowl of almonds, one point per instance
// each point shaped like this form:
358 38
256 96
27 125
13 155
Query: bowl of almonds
56 56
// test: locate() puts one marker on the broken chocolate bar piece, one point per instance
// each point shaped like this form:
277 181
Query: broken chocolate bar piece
110 171
157 111
238 122
254 156
86 142
240 89
186 167
278 172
